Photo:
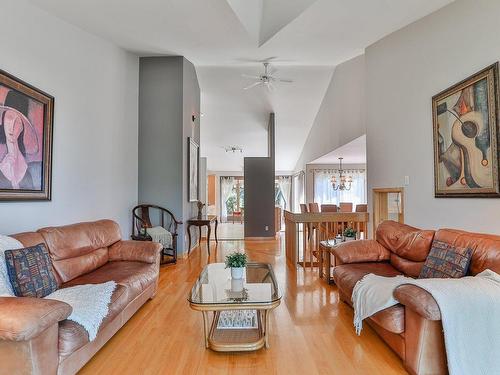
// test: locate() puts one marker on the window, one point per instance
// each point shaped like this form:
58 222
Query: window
232 193
324 193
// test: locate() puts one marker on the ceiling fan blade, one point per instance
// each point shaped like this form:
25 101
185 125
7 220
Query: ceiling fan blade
250 76
252 85
270 87
285 80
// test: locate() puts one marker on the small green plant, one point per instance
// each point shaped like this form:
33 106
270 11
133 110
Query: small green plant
349 232
236 260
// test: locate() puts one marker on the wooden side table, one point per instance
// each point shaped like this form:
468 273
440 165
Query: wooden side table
205 221
325 259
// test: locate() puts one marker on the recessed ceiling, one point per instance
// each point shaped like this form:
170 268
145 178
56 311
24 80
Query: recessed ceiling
264 18
229 36
353 152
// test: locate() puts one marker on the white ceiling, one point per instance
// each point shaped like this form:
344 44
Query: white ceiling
353 152
236 117
226 34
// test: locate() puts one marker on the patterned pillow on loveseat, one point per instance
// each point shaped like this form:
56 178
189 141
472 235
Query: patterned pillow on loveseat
30 271
446 261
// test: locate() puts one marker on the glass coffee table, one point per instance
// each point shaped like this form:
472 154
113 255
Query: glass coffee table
241 308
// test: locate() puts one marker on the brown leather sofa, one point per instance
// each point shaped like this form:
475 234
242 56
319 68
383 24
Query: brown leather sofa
412 328
36 337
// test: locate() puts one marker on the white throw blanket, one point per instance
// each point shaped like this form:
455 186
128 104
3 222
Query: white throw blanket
6 243
160 235
90 304
470 312
372 294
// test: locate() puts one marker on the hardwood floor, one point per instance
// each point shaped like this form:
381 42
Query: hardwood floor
311 332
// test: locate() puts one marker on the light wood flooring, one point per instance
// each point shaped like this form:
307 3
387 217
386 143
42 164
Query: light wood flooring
311 332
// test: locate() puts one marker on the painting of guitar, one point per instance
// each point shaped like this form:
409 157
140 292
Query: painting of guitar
466 137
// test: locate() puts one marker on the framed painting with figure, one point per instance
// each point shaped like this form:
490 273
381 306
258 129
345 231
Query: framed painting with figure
466 131
193 163
26 121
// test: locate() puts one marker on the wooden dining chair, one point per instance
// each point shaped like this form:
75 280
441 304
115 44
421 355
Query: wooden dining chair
313 207
345 207
362 208
329 208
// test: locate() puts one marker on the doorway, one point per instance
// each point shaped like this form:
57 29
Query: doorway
388 204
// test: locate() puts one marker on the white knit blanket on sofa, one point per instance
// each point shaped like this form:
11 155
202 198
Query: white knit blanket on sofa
90 303
470 312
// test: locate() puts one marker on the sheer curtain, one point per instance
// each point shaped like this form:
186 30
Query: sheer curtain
285 185
298 191
324 193
226 187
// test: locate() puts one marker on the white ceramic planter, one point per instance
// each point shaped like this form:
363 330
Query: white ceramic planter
350 238
236 285
237 272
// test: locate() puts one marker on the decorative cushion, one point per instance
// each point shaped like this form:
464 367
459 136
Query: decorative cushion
30 271
446 261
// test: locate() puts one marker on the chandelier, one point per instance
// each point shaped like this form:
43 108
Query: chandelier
344 183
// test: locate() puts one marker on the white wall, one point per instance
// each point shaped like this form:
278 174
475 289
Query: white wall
340 117
403 72
95 86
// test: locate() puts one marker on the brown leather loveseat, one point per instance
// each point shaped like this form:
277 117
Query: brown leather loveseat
36 337
412 328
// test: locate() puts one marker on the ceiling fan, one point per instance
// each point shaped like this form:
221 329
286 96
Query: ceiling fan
266 79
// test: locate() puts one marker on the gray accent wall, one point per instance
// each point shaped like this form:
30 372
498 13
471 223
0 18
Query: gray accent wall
168 97
259 175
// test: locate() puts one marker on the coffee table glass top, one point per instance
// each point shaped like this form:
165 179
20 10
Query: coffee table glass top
215 286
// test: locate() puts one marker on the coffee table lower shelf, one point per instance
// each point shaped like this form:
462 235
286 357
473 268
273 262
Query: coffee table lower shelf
237 340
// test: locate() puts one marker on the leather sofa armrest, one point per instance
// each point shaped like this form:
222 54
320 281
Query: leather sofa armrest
23 318
360 251
418 300
136 251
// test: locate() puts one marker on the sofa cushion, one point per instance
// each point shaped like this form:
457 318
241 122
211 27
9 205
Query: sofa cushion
407 242
30 271
347 275
391 319
135 276
80 248
407 267
72 336
446 261
485 248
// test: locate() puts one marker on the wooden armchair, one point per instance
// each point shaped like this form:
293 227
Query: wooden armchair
141 220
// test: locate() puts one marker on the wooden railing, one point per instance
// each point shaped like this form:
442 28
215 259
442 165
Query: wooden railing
315 228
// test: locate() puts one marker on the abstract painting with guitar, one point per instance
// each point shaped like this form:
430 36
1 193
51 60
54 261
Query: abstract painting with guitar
466 154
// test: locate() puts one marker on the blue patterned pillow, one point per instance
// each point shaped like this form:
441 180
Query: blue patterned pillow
30 271
446 261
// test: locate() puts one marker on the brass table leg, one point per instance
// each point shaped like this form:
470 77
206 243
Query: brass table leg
205 327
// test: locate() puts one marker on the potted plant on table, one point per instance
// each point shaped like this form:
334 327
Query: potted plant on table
350 234
237 262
